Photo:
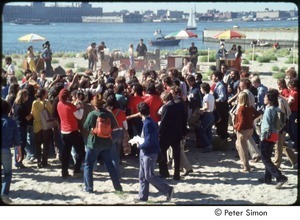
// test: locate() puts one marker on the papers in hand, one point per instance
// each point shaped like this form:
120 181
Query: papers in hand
136 140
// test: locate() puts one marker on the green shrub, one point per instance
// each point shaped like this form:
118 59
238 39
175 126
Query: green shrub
208 73
278 75
203 59
54 61
275 68
19 74
283 69
69 55
249 57
290 60
205 77
245 62
19 65
81 69
212 58
15 56
263 59
181 52
58 54
203 53
282 53
70 65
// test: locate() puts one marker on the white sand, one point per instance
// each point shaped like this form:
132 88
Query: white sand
216 179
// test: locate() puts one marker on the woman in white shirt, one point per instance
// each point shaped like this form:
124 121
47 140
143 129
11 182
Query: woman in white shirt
131 56
207 118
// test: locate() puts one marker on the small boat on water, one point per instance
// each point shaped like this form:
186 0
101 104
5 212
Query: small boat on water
191 25
164 42
260 43
31 21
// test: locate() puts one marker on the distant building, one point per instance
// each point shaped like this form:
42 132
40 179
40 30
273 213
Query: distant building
175 14
55 13
272 14
125 18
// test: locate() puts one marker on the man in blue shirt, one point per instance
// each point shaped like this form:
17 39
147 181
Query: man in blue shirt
148 156
10 138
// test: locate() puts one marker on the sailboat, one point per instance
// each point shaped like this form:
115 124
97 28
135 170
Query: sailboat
191 25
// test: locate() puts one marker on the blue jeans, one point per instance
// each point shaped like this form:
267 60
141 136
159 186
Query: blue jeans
23 134
293 129
271 170
91 156
205 130
117 144
6 162
30 147
147 176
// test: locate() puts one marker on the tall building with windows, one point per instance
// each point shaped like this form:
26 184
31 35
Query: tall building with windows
55 13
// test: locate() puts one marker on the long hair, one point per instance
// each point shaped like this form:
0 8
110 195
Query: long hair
21 95
243 99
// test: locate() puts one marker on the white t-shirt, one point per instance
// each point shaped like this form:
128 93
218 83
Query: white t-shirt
210 99
10 69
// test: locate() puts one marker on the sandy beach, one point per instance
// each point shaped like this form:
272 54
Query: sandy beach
216 179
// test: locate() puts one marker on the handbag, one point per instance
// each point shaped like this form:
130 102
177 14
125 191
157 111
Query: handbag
272 137
47 120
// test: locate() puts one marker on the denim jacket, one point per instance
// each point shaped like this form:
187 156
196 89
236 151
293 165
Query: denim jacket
10 133
268 121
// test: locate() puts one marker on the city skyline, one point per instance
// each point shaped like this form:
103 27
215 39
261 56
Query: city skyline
201 7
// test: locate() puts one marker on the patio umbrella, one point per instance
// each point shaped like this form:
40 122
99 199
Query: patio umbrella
182 34
31 38
229 34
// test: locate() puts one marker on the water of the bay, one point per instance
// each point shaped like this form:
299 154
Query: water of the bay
76 37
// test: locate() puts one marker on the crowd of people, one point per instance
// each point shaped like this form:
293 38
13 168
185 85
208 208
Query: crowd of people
160 106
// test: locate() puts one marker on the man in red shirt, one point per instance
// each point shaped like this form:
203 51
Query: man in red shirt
68 114
153 100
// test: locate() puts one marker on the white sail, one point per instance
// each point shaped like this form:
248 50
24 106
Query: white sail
191 25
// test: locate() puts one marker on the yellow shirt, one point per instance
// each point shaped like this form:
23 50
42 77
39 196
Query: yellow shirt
37 108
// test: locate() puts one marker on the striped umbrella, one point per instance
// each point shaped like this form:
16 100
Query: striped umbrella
31 38
229 34
182 34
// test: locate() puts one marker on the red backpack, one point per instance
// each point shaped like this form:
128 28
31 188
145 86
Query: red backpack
103 128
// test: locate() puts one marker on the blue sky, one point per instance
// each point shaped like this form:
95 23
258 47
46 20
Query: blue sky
187 6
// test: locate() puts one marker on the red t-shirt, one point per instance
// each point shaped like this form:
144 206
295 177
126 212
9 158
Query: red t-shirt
285 93
294 95
154 103
133 103
68 121
121 116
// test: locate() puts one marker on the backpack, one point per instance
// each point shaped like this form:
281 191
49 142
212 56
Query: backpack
280 120
103 128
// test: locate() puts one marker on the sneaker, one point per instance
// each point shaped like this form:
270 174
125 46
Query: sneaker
170 194
137 200
6 200
280 182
